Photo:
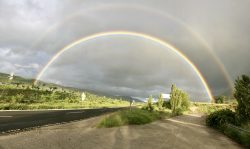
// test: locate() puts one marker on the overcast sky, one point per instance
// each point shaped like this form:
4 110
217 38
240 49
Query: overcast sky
31 32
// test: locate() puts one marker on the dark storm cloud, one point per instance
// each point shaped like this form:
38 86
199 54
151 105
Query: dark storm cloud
138 67
32 31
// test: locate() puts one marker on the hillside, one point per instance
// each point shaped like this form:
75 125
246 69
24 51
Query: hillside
4 78
21 93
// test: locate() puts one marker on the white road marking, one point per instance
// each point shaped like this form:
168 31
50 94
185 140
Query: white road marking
6 116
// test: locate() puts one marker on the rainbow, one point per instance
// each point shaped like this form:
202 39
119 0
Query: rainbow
158 12
128 33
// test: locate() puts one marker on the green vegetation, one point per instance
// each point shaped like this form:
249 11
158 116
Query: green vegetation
149 112
242 95
208 108
22 94
160 102
225 100
220 118
220 99
149 105
166 104
237 134
226 121
131 117
235 124
179 101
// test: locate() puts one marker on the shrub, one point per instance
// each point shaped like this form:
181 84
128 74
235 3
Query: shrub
219 118
167 104
111 121
138 117
130 117
14 106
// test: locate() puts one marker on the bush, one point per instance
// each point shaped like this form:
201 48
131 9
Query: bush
130 117
219 118
14 106
167 104
223 118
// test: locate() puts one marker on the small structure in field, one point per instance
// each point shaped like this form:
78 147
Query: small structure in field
83 96
165 97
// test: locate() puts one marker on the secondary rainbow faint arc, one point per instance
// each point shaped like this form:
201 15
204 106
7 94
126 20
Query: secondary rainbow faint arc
127 33
164 14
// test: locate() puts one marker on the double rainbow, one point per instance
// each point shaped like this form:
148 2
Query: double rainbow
128 33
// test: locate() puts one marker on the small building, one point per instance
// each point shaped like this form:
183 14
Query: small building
166 97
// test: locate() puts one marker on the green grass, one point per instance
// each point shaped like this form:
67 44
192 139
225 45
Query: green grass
226 121
207 108
246 126
21 94
242 137
19 98
131 117
60 105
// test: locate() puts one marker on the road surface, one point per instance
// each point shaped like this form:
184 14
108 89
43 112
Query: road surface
182 132
18 120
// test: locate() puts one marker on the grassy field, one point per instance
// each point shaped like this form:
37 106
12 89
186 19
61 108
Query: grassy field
22 94
132 117
60 105
23 99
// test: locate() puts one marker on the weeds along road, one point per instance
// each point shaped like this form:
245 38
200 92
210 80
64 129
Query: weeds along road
19 120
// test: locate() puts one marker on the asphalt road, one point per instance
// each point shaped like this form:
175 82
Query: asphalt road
181 132
19 120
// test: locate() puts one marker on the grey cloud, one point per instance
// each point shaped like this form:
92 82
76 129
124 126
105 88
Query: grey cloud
35 30
125 66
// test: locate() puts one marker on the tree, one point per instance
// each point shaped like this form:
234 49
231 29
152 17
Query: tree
17 84
185 101
242 95
220 99
149 104
179 100
160 102
175 100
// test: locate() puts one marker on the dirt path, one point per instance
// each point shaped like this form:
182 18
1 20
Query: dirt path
181 132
